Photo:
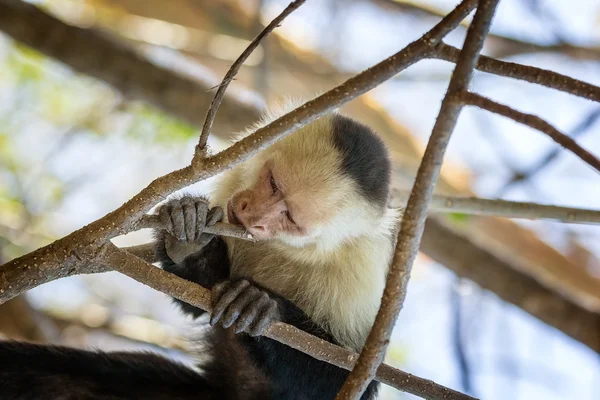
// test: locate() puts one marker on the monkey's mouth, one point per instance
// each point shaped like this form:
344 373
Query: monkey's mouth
231 217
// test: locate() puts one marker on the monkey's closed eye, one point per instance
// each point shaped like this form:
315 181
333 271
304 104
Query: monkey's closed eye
289 216
273 184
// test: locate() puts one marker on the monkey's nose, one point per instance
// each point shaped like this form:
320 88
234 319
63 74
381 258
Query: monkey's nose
258 231
243 204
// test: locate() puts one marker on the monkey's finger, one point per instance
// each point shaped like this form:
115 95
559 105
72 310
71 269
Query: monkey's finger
189 217
215 215
267 315
239 305
201 210
251 312
164 214
218 290
226 299
178 222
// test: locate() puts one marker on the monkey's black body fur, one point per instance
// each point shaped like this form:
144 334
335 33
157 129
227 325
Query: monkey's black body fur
240 367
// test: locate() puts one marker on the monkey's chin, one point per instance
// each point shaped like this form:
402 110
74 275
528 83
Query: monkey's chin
231 217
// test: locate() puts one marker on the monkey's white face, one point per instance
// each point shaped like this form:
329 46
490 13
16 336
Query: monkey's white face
299 192
265 209
300 205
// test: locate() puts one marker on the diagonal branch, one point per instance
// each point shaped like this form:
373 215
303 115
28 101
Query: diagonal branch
413 220
532 121
216 101
289 335
581 128
501 46
526 73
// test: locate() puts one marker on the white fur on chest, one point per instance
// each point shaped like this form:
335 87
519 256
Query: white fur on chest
340 291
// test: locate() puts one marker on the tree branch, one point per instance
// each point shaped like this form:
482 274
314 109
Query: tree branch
582 127
526 73
196 295
221 229
216 101
506 209
532 121
502 46
413 220
439 204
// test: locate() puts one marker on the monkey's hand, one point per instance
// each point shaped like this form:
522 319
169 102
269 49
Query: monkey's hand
244 306
184 221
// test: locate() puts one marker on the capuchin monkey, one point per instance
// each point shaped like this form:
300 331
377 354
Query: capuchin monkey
317 203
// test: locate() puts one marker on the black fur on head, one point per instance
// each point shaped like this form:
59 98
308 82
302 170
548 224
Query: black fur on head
365 158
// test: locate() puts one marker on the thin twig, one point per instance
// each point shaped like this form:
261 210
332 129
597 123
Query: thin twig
235 67
221 229
522 176
526 73
289 335
413 220
532 121
506 209
449 204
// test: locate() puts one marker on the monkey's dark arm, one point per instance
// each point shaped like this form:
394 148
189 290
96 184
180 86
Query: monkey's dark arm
208 266
40 372
244 304
297 371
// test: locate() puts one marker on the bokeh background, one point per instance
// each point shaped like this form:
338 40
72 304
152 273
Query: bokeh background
73 148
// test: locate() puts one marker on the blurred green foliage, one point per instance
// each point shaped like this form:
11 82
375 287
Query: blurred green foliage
43 97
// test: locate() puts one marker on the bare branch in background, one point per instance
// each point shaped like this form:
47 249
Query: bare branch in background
216 101
458 339
415 214
526 73
198 296
532 121
501 46
506 209
583 127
